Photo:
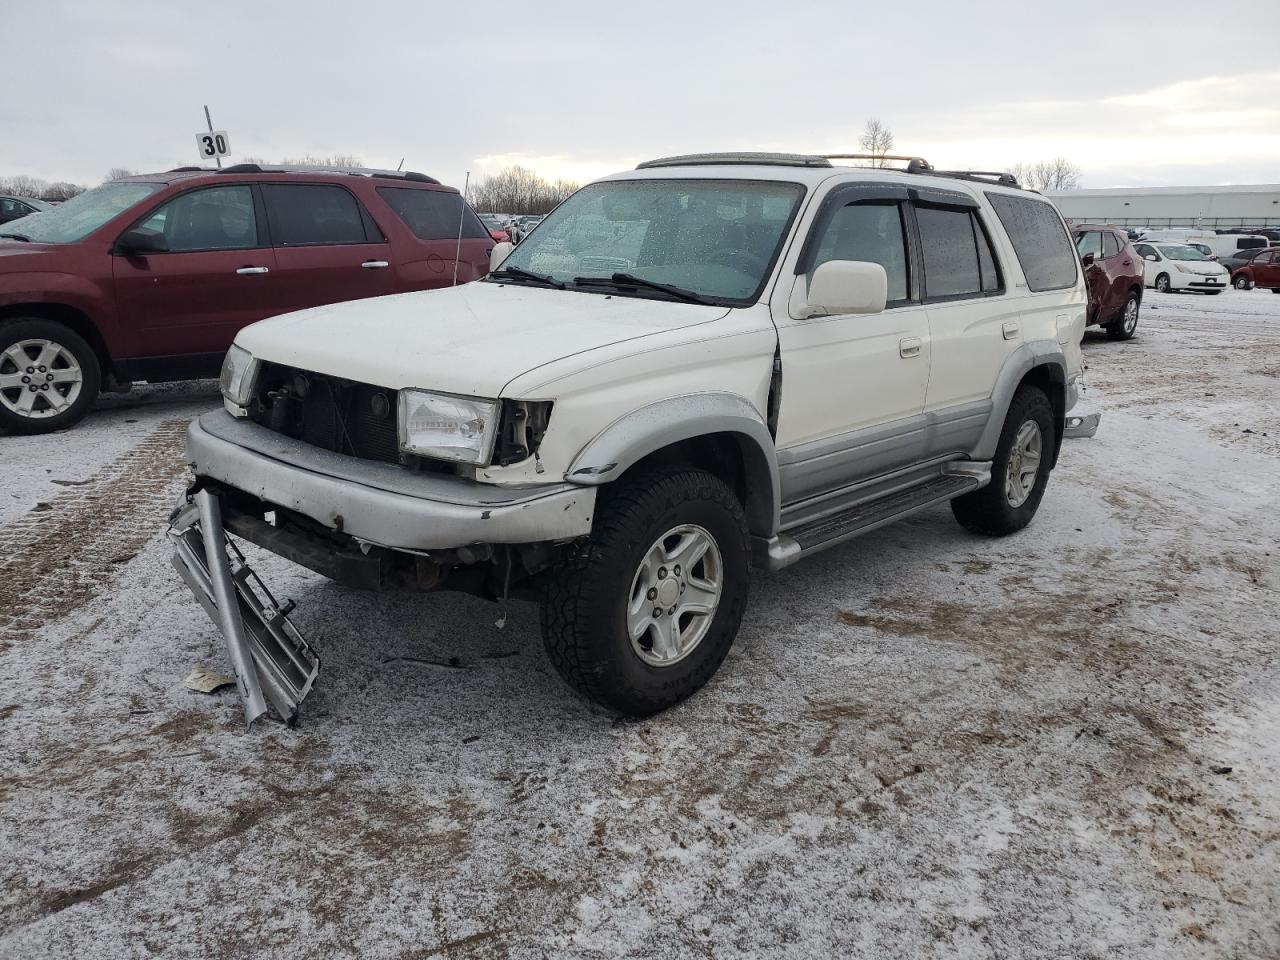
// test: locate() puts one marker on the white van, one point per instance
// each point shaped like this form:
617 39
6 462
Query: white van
1230 244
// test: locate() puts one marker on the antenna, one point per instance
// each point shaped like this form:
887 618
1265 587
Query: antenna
462 212
400 166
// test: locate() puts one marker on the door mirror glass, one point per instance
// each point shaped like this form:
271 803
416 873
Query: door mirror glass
499 253
141 240
1152 257
847 286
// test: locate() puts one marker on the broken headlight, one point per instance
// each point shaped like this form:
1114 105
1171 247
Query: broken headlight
239 371
447 427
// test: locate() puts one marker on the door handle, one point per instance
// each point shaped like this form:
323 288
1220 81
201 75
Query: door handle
374 264
1010 329
252 271
909 347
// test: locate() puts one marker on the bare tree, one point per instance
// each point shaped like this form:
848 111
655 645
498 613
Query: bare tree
1056 174
119 173
339 161
877 140
519 191
62 190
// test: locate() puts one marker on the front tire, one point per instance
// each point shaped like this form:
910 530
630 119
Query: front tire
644 610
1125 326
1019 470
49 376
1162 284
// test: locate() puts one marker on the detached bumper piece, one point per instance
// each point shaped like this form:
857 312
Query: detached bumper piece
1081 426
273 664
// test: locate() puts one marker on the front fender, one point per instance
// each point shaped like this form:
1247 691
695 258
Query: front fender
634 436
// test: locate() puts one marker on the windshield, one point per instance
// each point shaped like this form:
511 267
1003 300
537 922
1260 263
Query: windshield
716 239
1178 251
80 216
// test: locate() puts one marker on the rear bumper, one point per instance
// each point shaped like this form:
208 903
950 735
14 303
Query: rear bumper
380 503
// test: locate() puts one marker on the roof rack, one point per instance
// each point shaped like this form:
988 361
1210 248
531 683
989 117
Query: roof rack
917 165
764 159
350 171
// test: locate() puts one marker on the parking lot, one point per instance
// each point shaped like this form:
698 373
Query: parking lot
1065 743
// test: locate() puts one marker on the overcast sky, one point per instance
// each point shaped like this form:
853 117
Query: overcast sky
1163 93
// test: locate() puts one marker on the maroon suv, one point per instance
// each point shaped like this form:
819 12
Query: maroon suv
150 278
1113 274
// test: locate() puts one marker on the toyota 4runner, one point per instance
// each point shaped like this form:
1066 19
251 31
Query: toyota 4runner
708 362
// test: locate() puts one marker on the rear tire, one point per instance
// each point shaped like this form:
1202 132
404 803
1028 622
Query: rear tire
1162 284
1010 500
597 617
57 362
1125 326
1241 283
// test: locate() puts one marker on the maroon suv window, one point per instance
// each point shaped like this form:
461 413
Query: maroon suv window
433 214
1110 245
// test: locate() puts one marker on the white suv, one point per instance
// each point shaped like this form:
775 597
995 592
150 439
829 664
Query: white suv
706 362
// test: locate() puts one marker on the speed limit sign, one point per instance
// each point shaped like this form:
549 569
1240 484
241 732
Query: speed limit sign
213 144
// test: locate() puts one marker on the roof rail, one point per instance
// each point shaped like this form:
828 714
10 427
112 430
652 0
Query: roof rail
190 170
764 159
350 171
1007 179
914 164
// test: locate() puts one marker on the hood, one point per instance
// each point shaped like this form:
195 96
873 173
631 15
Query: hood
1202 268
472 339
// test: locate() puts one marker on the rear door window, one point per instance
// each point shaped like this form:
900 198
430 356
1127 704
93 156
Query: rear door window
957 254
870 232
217 218
434 214
1110 245
307 214
1039 239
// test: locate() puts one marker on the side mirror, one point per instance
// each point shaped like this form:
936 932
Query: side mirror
499 253
1151 257
499 236
142 241
1088 259
847 286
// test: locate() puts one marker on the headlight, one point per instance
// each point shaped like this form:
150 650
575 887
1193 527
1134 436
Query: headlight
451 428
239 371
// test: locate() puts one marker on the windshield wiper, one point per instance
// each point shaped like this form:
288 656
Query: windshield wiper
519 273
16 236
631 280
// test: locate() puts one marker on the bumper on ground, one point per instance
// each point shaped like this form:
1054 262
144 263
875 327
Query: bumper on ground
382 503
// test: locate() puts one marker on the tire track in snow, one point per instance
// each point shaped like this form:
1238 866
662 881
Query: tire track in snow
61 555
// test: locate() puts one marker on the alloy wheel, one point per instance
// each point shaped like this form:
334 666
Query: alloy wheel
39 378
1130 321
1024 463
674 595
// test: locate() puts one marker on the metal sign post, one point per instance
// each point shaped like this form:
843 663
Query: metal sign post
209 121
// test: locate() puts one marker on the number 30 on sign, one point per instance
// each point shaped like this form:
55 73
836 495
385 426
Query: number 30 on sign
213 144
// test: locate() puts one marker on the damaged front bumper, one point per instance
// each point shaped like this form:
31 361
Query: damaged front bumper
273 664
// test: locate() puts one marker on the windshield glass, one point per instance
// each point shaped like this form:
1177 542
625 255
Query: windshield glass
1178 251
80 216
714 238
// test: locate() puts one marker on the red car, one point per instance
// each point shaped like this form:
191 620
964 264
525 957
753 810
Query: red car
1113 274
151 277
1255 268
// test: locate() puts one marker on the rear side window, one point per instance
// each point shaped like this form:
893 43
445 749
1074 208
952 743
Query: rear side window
1250 243
1039 239
958 260
871 232
1110 245
306 214
433 214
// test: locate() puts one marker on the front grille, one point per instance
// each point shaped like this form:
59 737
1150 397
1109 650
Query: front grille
356 419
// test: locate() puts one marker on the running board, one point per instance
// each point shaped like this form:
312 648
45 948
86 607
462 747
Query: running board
273 664
786 548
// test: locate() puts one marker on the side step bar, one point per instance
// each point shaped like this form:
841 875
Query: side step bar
786 548
272 662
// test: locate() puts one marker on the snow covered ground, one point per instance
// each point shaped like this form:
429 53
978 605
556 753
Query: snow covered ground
924 744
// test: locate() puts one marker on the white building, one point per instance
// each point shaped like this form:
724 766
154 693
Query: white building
1210 207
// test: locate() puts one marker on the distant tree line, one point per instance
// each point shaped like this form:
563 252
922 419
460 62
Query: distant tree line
51 190
516 190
